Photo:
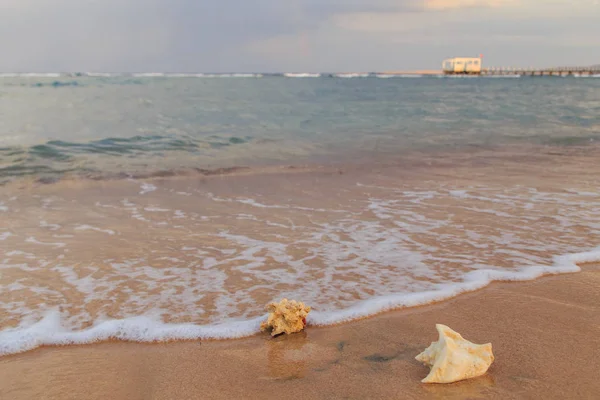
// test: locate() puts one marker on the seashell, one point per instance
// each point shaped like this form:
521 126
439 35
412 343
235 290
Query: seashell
453 358
287 316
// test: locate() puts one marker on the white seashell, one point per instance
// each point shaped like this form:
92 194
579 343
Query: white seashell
453 358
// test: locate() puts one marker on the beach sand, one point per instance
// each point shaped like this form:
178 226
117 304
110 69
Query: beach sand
545 333
545 336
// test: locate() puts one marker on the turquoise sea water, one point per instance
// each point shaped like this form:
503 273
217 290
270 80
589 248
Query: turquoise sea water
96 126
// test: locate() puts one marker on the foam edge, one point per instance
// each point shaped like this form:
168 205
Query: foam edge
50 332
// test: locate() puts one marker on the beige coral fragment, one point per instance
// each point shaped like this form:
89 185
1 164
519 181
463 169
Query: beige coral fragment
287 316
453 358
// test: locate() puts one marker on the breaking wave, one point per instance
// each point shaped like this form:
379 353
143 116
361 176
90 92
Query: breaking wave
50 330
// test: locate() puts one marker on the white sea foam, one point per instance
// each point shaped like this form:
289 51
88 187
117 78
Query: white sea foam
246 75
101 74
148 74
147 188
511 76
208 76
47 203
352 75
185 75
5 235
31 239
52 227
385 76
238 75
40 75
131 207
20 253
254 203
392 245
156 209
473 280
410 76
301 75
179 214
93 228
50 330
459 193
459 76
62 236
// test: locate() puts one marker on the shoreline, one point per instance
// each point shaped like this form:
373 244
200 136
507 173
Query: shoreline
543 333
140 329
243 200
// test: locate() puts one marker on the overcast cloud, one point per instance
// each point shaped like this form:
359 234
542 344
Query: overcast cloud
292 35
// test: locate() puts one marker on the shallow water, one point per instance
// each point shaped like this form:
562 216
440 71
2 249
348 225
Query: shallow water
128 125
175 248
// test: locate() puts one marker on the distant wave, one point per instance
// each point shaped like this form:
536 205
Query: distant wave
202 75
31 75
181 75
101 74
51 160
301 75
135 75
42 75
502 76
458 76
587 76
256 75
238 75
352 75
385 76
148 74
198 75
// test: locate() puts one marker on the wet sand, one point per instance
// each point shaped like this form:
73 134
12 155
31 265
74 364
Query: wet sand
208 249
545 333
545 336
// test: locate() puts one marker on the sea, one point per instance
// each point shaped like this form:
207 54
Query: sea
152 207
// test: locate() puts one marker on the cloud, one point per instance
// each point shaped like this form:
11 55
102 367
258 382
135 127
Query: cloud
44 35
270 35
453 4
519 35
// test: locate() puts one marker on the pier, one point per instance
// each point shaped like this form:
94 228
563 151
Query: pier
474 66
557 71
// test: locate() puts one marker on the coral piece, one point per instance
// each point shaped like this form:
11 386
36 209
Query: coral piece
286 317
453 358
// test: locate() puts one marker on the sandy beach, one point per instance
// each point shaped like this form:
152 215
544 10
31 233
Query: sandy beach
545 332
545 336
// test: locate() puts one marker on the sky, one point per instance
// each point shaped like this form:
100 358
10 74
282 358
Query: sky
292 35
